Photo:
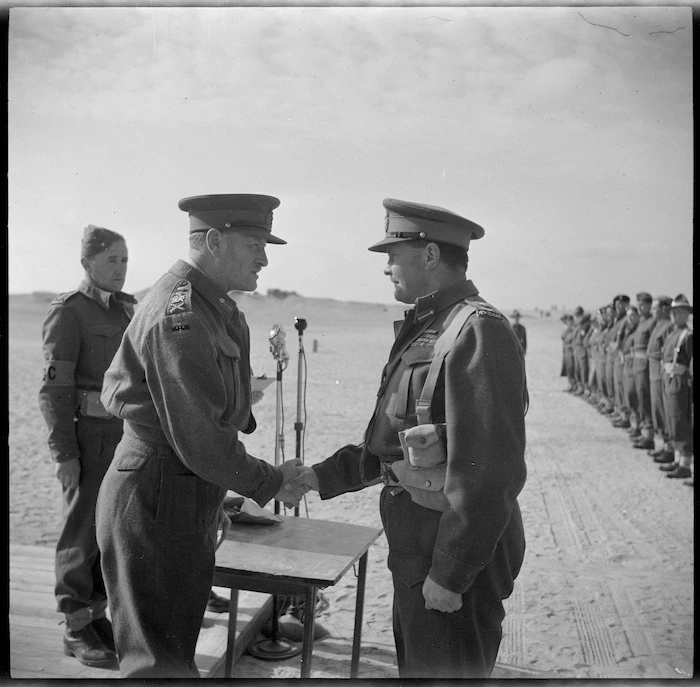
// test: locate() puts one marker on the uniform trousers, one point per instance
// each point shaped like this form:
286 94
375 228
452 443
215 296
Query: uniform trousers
570 366
434 644
610 379
629 387
582 368
656 390
618 374
156 528
679 412
79 585
643 390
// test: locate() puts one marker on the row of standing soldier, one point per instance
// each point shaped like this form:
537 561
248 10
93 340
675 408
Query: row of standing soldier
635 365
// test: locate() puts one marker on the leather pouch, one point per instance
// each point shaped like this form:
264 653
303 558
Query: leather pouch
424 445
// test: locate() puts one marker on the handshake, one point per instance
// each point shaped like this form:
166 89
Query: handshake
297 480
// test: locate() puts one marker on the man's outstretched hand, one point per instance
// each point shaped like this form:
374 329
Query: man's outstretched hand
292 489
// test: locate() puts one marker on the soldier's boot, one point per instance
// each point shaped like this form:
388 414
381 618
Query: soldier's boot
659 444
682 471
83 642
646 440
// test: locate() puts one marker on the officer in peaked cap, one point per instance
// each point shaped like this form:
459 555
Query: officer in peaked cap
181 382
453 560
231 212
406 221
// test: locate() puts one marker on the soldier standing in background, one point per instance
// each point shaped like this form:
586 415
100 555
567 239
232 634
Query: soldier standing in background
567 364
605 406
519 330
595 350
677 363
81 334
641 371
621 416
661 312
626 350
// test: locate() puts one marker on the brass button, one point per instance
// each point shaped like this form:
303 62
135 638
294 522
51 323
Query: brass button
427 483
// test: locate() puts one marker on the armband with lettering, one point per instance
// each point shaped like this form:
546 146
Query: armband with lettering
59 373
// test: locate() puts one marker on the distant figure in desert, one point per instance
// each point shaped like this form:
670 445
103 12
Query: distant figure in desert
519 330
82 332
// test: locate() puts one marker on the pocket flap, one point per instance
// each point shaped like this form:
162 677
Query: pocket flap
417 354
430 479
229 348
108 330
421 436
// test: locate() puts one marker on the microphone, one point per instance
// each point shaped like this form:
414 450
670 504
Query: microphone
277 343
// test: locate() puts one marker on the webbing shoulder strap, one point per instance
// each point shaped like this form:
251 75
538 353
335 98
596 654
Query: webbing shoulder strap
443 345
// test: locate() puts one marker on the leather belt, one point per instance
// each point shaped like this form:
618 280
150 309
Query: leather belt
675 369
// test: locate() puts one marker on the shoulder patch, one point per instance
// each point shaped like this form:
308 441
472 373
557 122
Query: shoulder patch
483 312
180 299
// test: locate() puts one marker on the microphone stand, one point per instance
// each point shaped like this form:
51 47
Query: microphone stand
275 648
300 326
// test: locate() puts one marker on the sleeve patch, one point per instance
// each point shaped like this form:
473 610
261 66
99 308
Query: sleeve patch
59 373
488 313
180 299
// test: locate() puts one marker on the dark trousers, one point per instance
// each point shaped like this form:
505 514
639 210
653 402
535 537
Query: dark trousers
610 379
679 414
643 389
156 528
79 583
433 644
618 376
656 391
629 390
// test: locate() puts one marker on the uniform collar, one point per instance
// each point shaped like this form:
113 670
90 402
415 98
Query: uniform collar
101 296
433 303
218 298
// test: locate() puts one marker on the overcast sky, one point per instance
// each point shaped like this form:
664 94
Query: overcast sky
565 132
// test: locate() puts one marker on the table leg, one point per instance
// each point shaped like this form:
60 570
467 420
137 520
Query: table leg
359 606
307 645
232 623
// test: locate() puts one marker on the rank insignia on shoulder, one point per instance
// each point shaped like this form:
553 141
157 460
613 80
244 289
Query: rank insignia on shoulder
482 312
179 301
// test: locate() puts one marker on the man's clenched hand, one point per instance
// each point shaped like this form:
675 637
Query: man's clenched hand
440 599
68 473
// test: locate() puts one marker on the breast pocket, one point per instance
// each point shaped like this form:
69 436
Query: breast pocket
103 341
230 366
411 374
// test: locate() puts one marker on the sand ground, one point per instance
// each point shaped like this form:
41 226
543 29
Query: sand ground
606 590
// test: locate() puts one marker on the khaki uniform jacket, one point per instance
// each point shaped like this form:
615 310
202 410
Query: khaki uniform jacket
80 337
481 395
182 377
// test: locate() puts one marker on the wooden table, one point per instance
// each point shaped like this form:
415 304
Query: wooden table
297 557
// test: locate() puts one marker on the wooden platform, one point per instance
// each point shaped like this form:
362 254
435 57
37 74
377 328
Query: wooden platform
36 648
